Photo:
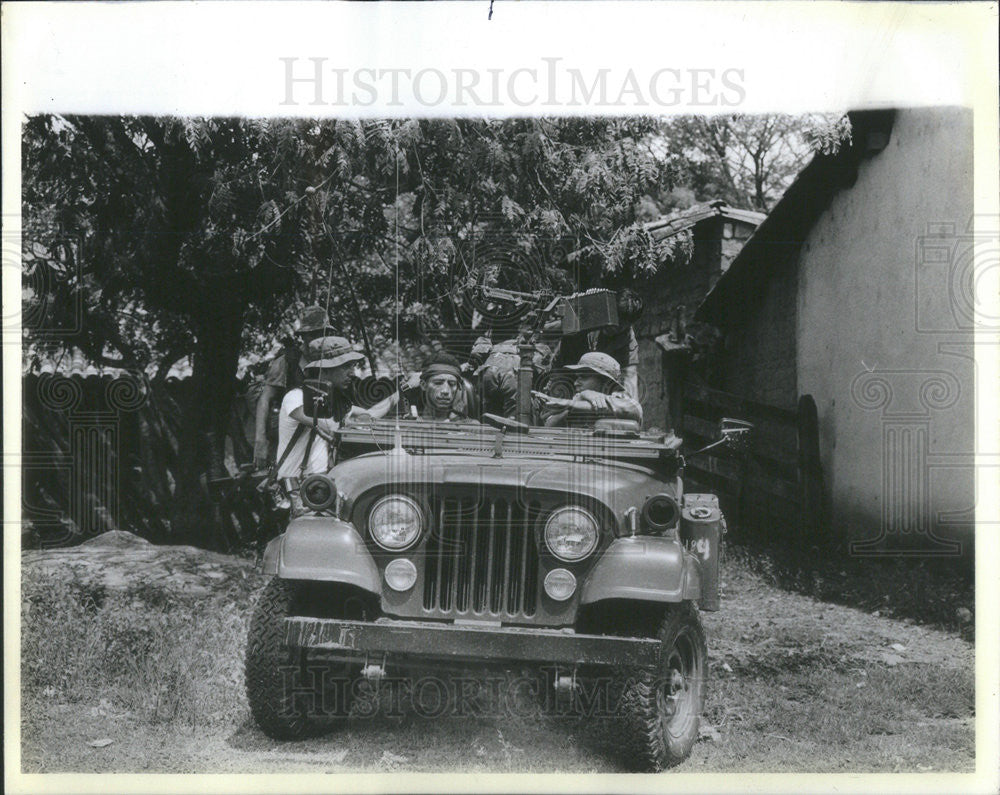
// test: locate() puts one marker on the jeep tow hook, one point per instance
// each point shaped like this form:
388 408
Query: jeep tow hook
373 672
565 685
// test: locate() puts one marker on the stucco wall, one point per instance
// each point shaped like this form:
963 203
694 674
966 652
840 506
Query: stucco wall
881 345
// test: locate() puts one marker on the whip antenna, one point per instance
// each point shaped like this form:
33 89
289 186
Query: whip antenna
398 441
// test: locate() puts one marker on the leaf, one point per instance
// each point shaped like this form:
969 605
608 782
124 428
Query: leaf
511 210
102 743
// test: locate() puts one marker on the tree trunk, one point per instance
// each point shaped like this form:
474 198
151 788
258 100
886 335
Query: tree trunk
196 519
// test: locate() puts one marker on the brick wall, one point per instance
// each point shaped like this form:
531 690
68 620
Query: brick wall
674 286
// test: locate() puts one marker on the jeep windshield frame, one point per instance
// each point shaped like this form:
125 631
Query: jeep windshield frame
659 452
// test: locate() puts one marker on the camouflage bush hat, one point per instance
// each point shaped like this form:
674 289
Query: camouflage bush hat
601 364
330 352
313 318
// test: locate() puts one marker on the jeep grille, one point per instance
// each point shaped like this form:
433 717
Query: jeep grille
482 559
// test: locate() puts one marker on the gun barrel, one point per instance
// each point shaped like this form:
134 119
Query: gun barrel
509 295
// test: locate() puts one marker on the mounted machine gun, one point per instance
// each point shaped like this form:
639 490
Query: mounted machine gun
571 314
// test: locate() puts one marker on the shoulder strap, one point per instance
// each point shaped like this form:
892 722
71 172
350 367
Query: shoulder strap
305 454
296 435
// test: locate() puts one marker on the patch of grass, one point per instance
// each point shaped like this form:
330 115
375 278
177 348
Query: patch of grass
789 691
160 656
939 592
888 718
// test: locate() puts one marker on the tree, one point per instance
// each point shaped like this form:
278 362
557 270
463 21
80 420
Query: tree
749 161
179 227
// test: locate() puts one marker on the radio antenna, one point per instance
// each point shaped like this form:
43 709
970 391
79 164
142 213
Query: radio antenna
397 448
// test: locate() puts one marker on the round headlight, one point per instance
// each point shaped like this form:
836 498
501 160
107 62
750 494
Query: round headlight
571 533
317 492
395 522
560 584
400 574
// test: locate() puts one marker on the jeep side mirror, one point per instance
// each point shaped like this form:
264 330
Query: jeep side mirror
735 434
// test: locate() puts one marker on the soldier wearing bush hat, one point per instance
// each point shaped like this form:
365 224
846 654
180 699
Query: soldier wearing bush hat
302 438
619 341
602 365
598 393
331 353
285 372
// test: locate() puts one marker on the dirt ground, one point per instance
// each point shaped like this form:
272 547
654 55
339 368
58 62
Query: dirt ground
796 685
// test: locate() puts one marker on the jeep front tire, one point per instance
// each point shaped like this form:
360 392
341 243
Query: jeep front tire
661 707
289 698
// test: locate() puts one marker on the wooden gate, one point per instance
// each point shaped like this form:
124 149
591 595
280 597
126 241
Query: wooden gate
773 491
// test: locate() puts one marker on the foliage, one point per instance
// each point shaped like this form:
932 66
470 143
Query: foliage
160 225
749 161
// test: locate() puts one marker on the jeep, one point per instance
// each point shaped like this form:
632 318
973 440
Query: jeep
573 552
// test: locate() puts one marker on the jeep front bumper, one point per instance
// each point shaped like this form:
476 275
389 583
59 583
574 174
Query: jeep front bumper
464 642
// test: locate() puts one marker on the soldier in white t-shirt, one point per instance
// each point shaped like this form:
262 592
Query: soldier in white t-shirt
303 446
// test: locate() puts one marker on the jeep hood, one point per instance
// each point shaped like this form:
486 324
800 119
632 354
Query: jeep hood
617 485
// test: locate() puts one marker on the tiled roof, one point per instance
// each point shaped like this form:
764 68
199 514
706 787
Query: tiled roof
680 220
73 363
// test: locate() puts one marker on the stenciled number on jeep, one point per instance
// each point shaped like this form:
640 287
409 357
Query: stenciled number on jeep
699 547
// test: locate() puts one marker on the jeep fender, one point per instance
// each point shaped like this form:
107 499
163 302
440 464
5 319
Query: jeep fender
323 549
643 568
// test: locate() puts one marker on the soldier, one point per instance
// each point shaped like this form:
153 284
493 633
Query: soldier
480 352
618 341
284 373
598 393
445 393
497 377
303 447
